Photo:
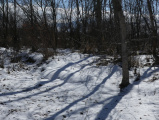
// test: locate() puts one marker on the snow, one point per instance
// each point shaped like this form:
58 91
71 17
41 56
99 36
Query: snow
71 86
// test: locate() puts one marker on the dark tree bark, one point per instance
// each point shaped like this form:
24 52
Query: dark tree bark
31 13
70 21
118 10
15 37
78 42
7 21
153 31
99 23
54 23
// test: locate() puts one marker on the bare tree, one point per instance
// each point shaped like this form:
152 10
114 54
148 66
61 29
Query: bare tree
54 16
15 36
153 30
117 4
77 43
99 23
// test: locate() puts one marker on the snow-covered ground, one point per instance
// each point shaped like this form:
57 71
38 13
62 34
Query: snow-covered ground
71 86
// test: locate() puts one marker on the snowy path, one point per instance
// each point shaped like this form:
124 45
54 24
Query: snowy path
72 87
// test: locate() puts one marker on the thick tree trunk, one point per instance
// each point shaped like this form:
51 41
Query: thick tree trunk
118 9
154 32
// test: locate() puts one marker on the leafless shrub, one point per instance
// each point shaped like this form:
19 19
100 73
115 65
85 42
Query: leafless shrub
47 53
133 61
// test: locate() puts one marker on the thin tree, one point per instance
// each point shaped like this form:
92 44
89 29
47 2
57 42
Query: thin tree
99 23
78 43
54 15
15 37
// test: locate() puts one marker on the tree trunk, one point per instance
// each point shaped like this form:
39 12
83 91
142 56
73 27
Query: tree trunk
15 37
7 19
54 24
118 9
3 23
78 43
99 20
31 13
154 32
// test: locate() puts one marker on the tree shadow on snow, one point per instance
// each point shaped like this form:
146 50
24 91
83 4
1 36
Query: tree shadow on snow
54 77
107 108
49 89
83 98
